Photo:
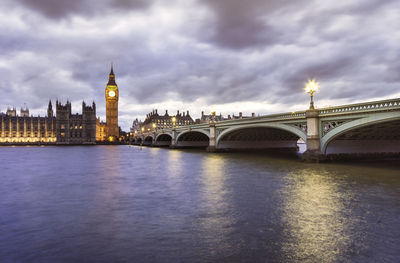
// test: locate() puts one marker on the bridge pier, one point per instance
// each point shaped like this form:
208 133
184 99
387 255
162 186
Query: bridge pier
173 140
212 146
313 143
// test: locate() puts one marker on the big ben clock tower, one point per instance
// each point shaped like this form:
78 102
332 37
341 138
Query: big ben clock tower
112 129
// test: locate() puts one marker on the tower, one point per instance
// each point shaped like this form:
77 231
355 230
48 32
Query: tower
111 93
50 110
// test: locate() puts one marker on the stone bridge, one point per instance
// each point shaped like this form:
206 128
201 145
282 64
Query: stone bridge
349 130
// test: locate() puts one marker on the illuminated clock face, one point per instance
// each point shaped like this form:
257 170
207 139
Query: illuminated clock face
111 93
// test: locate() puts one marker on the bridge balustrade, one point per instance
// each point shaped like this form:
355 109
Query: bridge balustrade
322 130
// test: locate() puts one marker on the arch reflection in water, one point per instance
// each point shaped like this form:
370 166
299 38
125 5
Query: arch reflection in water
316 225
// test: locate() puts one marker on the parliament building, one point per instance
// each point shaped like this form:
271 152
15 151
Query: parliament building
63 127
27 129
75 128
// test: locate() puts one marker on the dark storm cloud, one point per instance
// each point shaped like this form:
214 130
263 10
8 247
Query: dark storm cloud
177 53
60 9
242 24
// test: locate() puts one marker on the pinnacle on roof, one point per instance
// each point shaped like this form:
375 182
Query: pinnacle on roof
111 78
112 69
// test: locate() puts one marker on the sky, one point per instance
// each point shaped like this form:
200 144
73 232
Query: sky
227 56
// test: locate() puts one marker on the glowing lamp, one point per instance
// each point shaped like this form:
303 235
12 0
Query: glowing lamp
311 87
213 116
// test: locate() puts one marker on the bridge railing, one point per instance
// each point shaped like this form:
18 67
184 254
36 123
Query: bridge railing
373 106
382 105
270 117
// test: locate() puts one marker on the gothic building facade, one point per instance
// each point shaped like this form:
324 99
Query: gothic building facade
75 128
23 128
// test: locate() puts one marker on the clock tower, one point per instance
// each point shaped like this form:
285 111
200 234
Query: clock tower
112 95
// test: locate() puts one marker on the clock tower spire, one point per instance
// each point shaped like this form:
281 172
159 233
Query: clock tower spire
112 96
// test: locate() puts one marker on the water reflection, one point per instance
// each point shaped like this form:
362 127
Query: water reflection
174 170
127 204
110 159
214 218
315 218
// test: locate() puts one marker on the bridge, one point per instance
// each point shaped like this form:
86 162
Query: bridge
355 130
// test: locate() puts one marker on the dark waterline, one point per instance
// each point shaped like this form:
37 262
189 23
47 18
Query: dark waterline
126 204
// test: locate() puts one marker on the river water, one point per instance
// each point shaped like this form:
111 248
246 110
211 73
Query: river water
132 204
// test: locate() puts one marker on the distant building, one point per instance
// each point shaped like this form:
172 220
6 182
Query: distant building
207 118
155 121
76 128
26 129
136 125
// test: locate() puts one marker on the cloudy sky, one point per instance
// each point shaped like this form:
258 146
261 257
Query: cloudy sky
222 55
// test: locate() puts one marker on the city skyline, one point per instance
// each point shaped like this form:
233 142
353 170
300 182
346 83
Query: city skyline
226 56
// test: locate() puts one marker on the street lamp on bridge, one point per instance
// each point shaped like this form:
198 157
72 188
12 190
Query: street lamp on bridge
311 87
213 116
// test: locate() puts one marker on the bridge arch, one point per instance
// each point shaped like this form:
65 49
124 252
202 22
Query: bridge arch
148 140
193 138
207 133
358 124
163 139
163 136
279 126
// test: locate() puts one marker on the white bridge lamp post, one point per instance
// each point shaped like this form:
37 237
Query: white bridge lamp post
311 87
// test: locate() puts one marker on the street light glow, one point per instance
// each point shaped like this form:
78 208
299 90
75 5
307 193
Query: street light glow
312 86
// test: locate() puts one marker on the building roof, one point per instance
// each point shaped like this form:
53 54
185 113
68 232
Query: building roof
111 77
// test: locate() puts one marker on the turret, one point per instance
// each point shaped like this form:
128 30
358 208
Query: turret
50 112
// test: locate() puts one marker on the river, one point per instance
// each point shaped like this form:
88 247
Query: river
132 204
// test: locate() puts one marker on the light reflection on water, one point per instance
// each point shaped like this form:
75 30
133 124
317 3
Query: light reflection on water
127 204
214 219
314 216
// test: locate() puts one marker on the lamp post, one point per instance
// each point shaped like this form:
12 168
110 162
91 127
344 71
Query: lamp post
311 87
213 116
313 142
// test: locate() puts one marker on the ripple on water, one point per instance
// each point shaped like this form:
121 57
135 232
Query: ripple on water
123 204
